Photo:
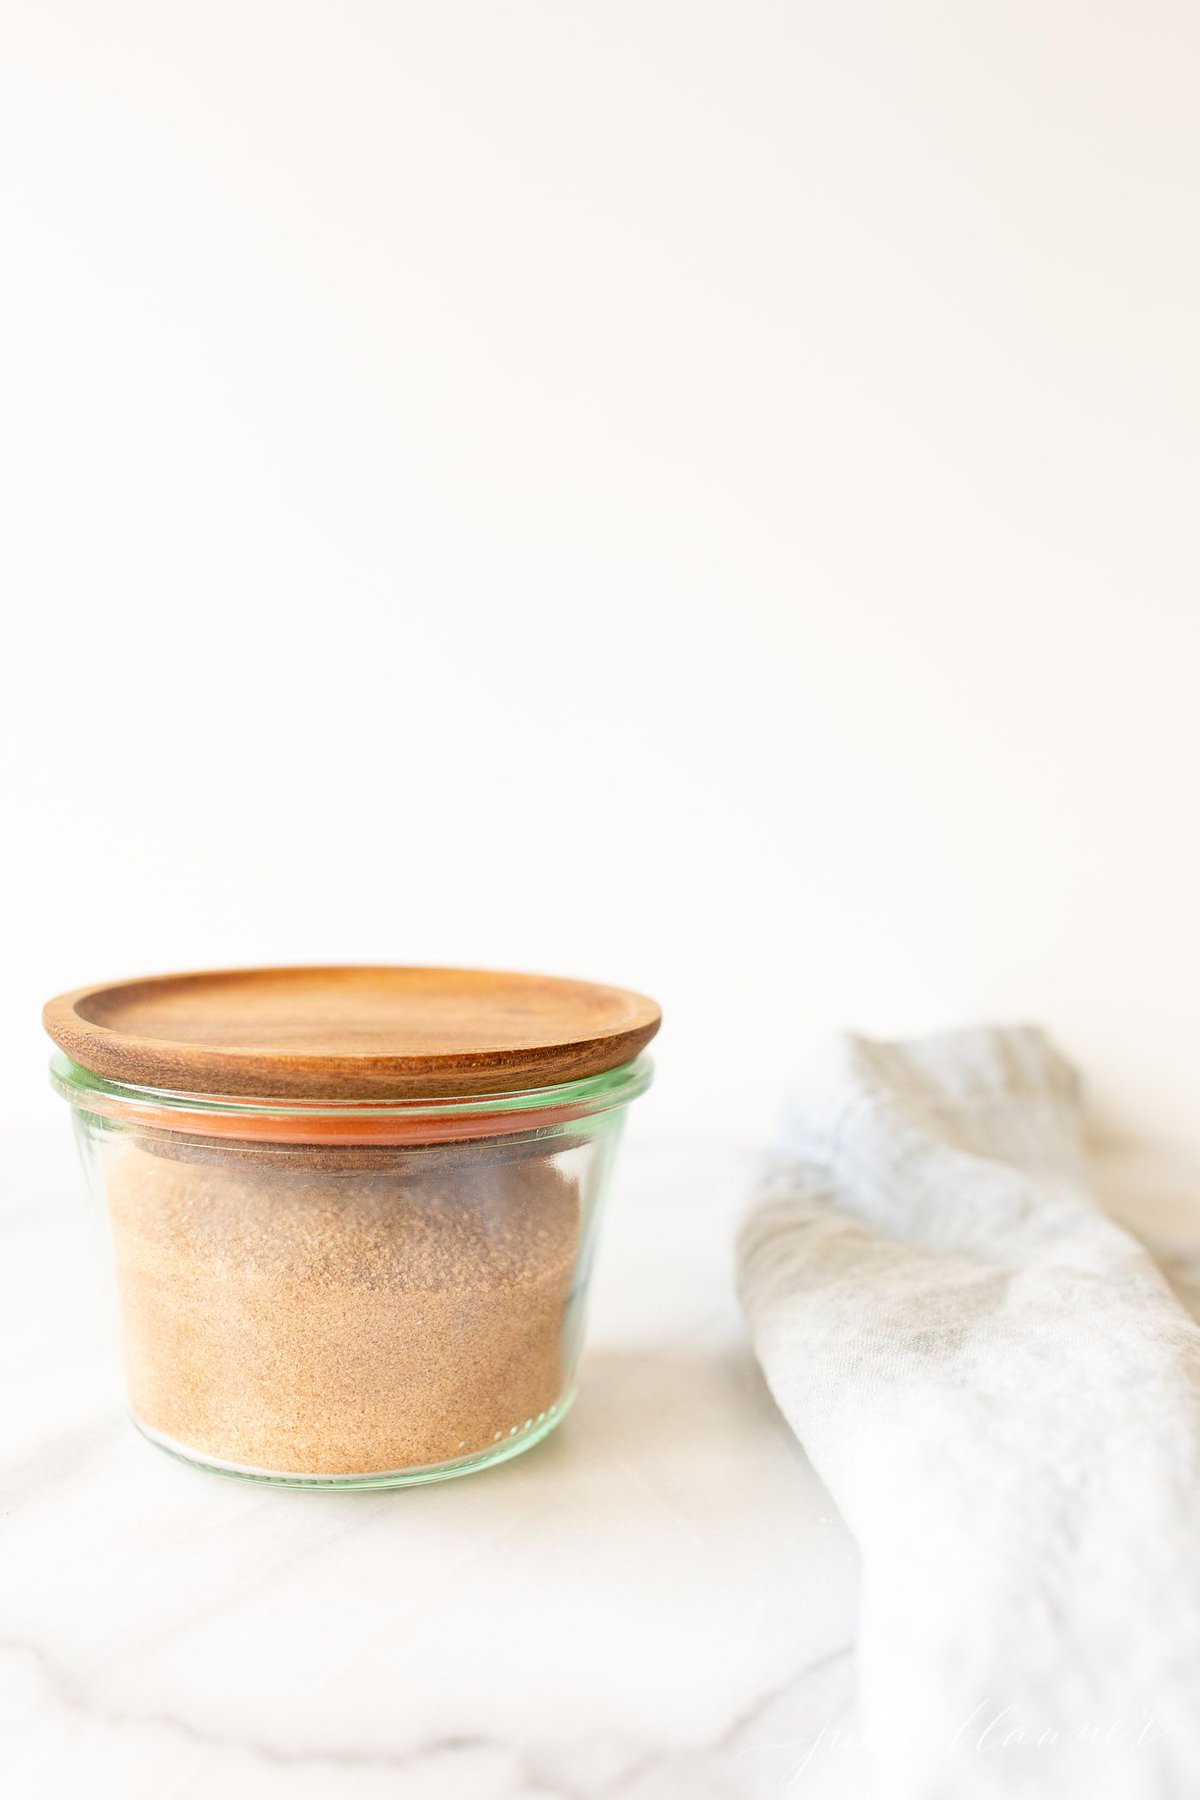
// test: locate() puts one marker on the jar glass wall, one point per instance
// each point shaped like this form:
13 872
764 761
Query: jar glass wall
348 1294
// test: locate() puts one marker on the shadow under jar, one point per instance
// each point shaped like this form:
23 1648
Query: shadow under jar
353 1211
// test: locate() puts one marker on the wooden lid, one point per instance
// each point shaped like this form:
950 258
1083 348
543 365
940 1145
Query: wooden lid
350 1033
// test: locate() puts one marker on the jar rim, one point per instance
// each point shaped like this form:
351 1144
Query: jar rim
398 1120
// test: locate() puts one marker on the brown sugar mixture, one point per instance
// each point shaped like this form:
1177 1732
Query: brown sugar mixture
335 1311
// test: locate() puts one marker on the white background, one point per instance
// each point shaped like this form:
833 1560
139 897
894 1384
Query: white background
699 496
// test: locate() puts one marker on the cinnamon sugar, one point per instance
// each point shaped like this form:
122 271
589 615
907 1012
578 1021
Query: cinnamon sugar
325 1311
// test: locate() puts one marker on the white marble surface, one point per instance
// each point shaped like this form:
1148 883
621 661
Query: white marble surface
656 1604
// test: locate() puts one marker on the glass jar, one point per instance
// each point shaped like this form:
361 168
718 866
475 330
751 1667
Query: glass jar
348 1291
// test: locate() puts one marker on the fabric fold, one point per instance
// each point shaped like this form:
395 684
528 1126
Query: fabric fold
1002 1393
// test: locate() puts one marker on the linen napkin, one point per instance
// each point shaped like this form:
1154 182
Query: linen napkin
1002 1393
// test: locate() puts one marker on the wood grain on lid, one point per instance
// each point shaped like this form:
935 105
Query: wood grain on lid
350 1033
